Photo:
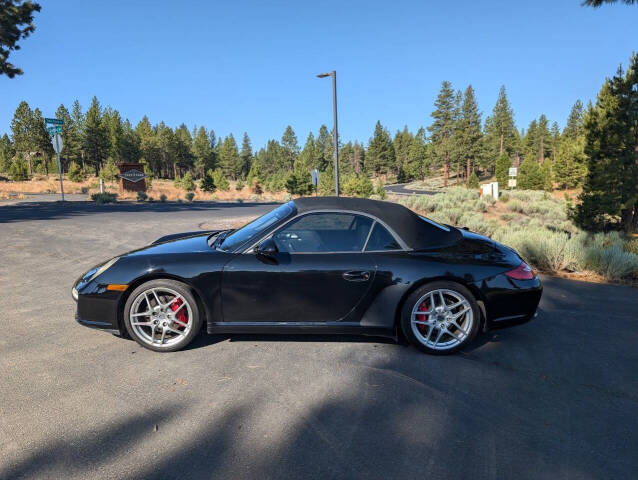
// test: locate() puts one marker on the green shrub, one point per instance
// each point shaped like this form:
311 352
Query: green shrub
187 182
473 181
177 182
632 246
239 186
611 262
162 198
189 196
76 173
109 171
84 190
207 184
515 206
105 197
151 199
504 197
141 196
219 179
18 170
380 190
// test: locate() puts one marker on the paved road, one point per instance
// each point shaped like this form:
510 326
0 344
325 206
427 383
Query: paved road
556 398
401 189
46 197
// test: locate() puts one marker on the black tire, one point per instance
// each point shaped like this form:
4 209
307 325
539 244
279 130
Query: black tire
181 289
418 295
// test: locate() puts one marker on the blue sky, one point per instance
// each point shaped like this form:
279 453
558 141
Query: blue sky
238 66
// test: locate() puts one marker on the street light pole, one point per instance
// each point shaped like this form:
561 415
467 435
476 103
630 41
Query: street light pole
335 132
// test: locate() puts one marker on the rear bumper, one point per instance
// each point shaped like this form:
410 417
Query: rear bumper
510 302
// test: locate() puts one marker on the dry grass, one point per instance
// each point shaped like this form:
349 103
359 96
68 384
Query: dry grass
44 184
51 184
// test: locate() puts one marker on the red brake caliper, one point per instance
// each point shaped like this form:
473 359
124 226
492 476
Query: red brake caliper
422 308
182 315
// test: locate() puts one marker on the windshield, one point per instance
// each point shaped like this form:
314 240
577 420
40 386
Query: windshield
256 227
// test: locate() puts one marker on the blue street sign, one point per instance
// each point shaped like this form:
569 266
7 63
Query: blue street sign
54 121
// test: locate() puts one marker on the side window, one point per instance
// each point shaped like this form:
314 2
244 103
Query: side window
324 232
381 239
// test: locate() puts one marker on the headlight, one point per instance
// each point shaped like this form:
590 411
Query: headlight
102 269
74 292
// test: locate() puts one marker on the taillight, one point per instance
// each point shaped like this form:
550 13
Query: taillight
522 272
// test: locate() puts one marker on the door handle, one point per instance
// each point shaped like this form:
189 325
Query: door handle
357 276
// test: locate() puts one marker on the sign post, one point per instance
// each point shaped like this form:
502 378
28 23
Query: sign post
315 179
54 127
57 146
513 172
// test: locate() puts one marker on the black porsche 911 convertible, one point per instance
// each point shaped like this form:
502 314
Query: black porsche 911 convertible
322 264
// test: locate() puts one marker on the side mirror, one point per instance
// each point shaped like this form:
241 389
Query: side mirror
267 247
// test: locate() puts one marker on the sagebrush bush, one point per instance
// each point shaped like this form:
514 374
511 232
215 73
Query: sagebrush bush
141 196
104 197
163 198
537 226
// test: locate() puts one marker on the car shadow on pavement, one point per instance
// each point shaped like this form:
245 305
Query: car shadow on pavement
60 210
204 340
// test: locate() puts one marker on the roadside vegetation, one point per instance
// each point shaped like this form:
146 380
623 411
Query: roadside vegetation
537 225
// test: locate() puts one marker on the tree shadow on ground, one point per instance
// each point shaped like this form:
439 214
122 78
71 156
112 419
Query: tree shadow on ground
59 210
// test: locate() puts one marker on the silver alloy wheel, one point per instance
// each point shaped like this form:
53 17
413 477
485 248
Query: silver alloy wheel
156 317
442 319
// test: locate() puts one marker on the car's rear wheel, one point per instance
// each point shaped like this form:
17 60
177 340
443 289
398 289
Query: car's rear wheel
440 317
162 315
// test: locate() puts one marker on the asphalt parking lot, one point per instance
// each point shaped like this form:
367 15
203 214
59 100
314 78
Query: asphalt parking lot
555 398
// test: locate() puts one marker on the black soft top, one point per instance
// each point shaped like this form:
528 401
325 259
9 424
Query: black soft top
418 234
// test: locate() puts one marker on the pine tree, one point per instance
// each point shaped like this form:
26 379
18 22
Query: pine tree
500 129
245 155
229 158
291 148
41 140
610 192
503 164
201 151
207 184
149 147
187 182
530 176
96 141
75 153
418 163
113 123
570 166
544 139
380 154
21 129
473 181
6 153
547 172
470 135
309 156
16 22
402 142
325 148
574 127
182 148
130 143
443 128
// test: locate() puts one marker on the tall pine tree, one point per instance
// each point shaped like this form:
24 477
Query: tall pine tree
610 193
443 128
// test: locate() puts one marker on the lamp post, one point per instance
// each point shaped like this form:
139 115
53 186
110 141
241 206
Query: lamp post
335 133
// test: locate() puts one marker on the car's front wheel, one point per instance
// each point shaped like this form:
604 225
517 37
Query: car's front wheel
440 317
162 315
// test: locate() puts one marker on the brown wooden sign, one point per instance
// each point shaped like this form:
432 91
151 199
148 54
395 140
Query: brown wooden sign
132 177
